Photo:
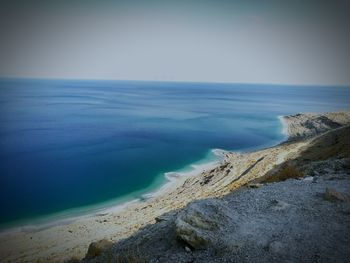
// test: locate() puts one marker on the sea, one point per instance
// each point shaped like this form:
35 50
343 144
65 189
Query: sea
70 147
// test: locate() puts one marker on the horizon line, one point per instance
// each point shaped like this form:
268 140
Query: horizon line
173 81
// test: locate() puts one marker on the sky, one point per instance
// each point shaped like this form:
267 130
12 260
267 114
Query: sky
253 41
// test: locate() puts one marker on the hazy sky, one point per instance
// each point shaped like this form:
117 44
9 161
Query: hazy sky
288 42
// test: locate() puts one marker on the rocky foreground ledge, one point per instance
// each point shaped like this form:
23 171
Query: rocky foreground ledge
305 220
285 203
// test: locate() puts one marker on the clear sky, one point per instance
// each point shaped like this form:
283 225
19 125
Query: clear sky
285 42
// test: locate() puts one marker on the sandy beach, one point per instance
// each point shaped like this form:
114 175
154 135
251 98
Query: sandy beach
70 238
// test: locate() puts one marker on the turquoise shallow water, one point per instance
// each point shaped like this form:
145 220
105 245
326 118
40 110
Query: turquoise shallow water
80 144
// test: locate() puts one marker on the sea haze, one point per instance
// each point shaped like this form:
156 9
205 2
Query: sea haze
71 144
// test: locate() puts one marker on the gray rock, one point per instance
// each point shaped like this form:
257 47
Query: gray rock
97 248
308 179
202 224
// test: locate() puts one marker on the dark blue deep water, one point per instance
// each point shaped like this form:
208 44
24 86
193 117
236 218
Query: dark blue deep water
71 144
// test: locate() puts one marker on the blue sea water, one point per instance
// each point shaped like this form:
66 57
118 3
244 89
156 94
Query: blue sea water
70 144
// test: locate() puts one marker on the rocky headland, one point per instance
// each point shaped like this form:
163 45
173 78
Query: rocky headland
306 125
286 203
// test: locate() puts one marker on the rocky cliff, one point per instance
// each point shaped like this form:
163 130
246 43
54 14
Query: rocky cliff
306 125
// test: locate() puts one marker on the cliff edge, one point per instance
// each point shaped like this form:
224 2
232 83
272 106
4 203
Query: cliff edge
306 125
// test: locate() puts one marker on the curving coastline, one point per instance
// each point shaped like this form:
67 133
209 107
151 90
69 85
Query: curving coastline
60 242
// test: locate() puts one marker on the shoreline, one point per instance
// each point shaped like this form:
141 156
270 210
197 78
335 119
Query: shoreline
61 242
118 204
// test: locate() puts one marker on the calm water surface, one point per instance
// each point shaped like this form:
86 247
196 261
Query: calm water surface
69 144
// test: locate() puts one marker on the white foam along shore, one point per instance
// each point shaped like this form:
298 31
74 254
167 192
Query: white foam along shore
198 168
195 168
284 125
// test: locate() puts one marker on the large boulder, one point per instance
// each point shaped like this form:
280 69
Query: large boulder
205 224
97 248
